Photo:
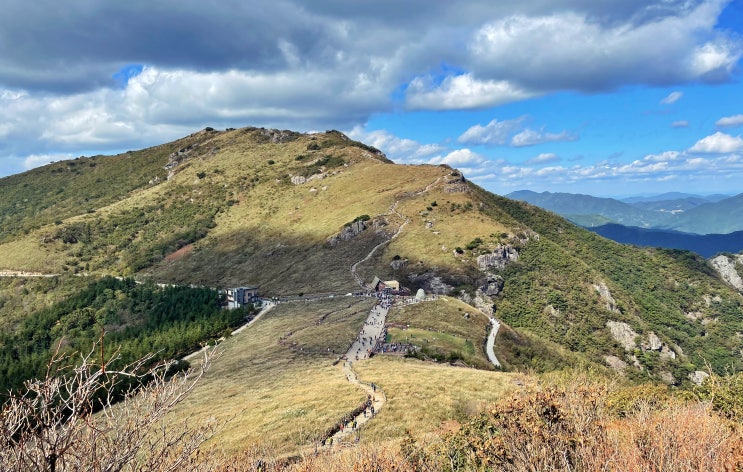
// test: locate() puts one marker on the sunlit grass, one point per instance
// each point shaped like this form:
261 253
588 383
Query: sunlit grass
274 394
422 396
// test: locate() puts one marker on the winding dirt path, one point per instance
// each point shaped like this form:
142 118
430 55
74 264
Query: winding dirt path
390 212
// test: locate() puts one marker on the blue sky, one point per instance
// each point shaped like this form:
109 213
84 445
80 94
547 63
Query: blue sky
610 98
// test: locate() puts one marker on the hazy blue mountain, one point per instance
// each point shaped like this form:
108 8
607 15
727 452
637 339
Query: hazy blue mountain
672 211
706 245
668 196
671 206
722 217
587 210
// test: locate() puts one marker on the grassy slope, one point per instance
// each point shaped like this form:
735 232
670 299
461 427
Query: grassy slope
440 327
280 398
271 392
64 189
231 216
422 397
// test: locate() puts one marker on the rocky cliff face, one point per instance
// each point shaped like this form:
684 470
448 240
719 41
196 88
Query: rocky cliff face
730 269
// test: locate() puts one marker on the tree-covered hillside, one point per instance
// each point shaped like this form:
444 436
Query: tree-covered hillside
136 319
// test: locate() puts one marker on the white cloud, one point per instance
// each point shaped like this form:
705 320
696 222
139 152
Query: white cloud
511 133
36 160
458 158
400 150
576 51
680 124
718 143
460 92
730 121
543 158
673 97
677 168
494 133
530 137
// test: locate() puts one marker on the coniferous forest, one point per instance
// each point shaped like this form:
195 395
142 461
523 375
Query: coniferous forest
134 319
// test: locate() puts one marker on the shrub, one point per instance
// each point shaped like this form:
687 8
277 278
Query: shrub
474 244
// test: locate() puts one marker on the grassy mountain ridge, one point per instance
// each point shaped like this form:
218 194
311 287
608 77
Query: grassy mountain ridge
293 212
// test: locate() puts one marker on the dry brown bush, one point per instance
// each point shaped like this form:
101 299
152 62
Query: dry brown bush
51 425
676 438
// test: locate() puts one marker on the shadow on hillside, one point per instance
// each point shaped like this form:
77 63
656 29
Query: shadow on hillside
280 264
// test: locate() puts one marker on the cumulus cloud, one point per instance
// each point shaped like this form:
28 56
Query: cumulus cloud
459 158
400 150
718 143
673 97
462 91
730 121
66 82
494 133
574 50
511 133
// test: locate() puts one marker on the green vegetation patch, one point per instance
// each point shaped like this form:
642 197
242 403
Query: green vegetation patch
137 319
445 330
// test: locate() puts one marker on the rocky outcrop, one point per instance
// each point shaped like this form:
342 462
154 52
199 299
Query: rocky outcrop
605 294
431 283
455 183
176 158
727 267
698 377
279 136
667 377
493 285
347 233
615 363
654 343
623 334
300 179
501 256
626 336
398 264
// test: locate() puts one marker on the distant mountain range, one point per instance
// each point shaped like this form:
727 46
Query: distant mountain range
687 213
706 245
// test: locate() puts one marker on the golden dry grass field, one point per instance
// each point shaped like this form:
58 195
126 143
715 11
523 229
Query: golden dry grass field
277 390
